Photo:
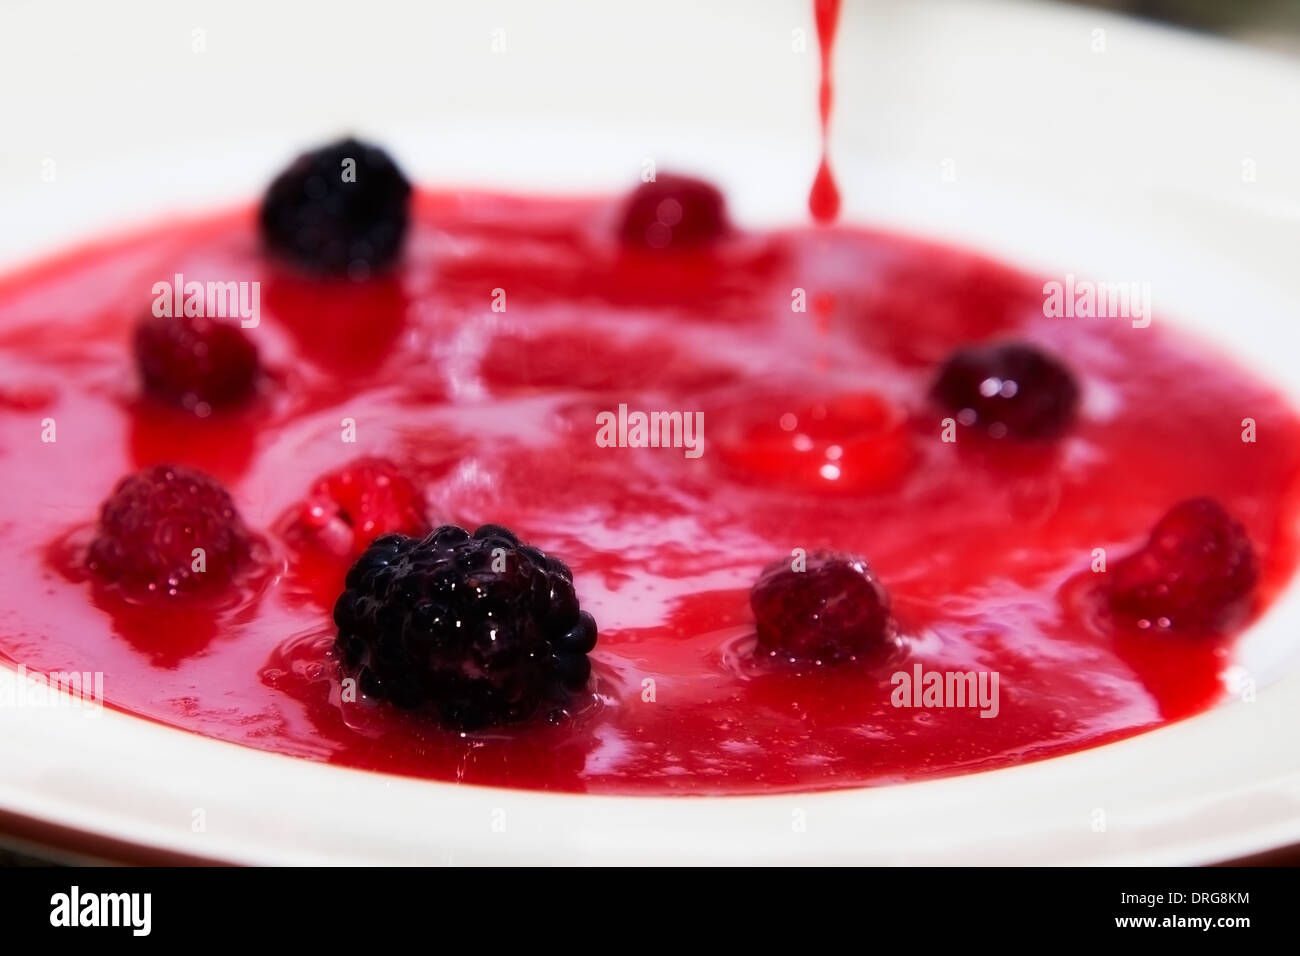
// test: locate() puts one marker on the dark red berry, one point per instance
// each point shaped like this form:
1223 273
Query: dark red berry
674 212
1195 574
196 363
339 210
480 628
834 609
348 508
167 531
1008 389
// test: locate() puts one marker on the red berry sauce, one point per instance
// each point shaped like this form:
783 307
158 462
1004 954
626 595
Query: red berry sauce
819 433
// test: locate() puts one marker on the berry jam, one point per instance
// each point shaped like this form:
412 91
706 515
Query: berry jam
478 366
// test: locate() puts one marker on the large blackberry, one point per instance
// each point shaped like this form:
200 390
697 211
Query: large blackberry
338 210
480 628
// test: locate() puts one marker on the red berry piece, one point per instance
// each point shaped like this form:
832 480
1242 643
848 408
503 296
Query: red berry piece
674 212
833 609
1195 575
1008 389
195 363
167 531
351 507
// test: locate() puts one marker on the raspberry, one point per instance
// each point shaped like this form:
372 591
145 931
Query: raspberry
151 525
1195 574
674 212
195 363
1008 389
478 628
348 508
321 217
833 610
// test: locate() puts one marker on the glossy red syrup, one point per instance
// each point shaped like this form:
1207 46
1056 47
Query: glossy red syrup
824 200
811 441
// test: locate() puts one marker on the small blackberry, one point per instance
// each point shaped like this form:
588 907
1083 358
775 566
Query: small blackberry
339 210
480 628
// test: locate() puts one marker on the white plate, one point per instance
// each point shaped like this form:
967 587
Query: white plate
999 126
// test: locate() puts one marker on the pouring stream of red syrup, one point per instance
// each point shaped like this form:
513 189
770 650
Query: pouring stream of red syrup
824 199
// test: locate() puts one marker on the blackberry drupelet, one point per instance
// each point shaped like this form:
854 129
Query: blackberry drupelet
324 219
480 628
